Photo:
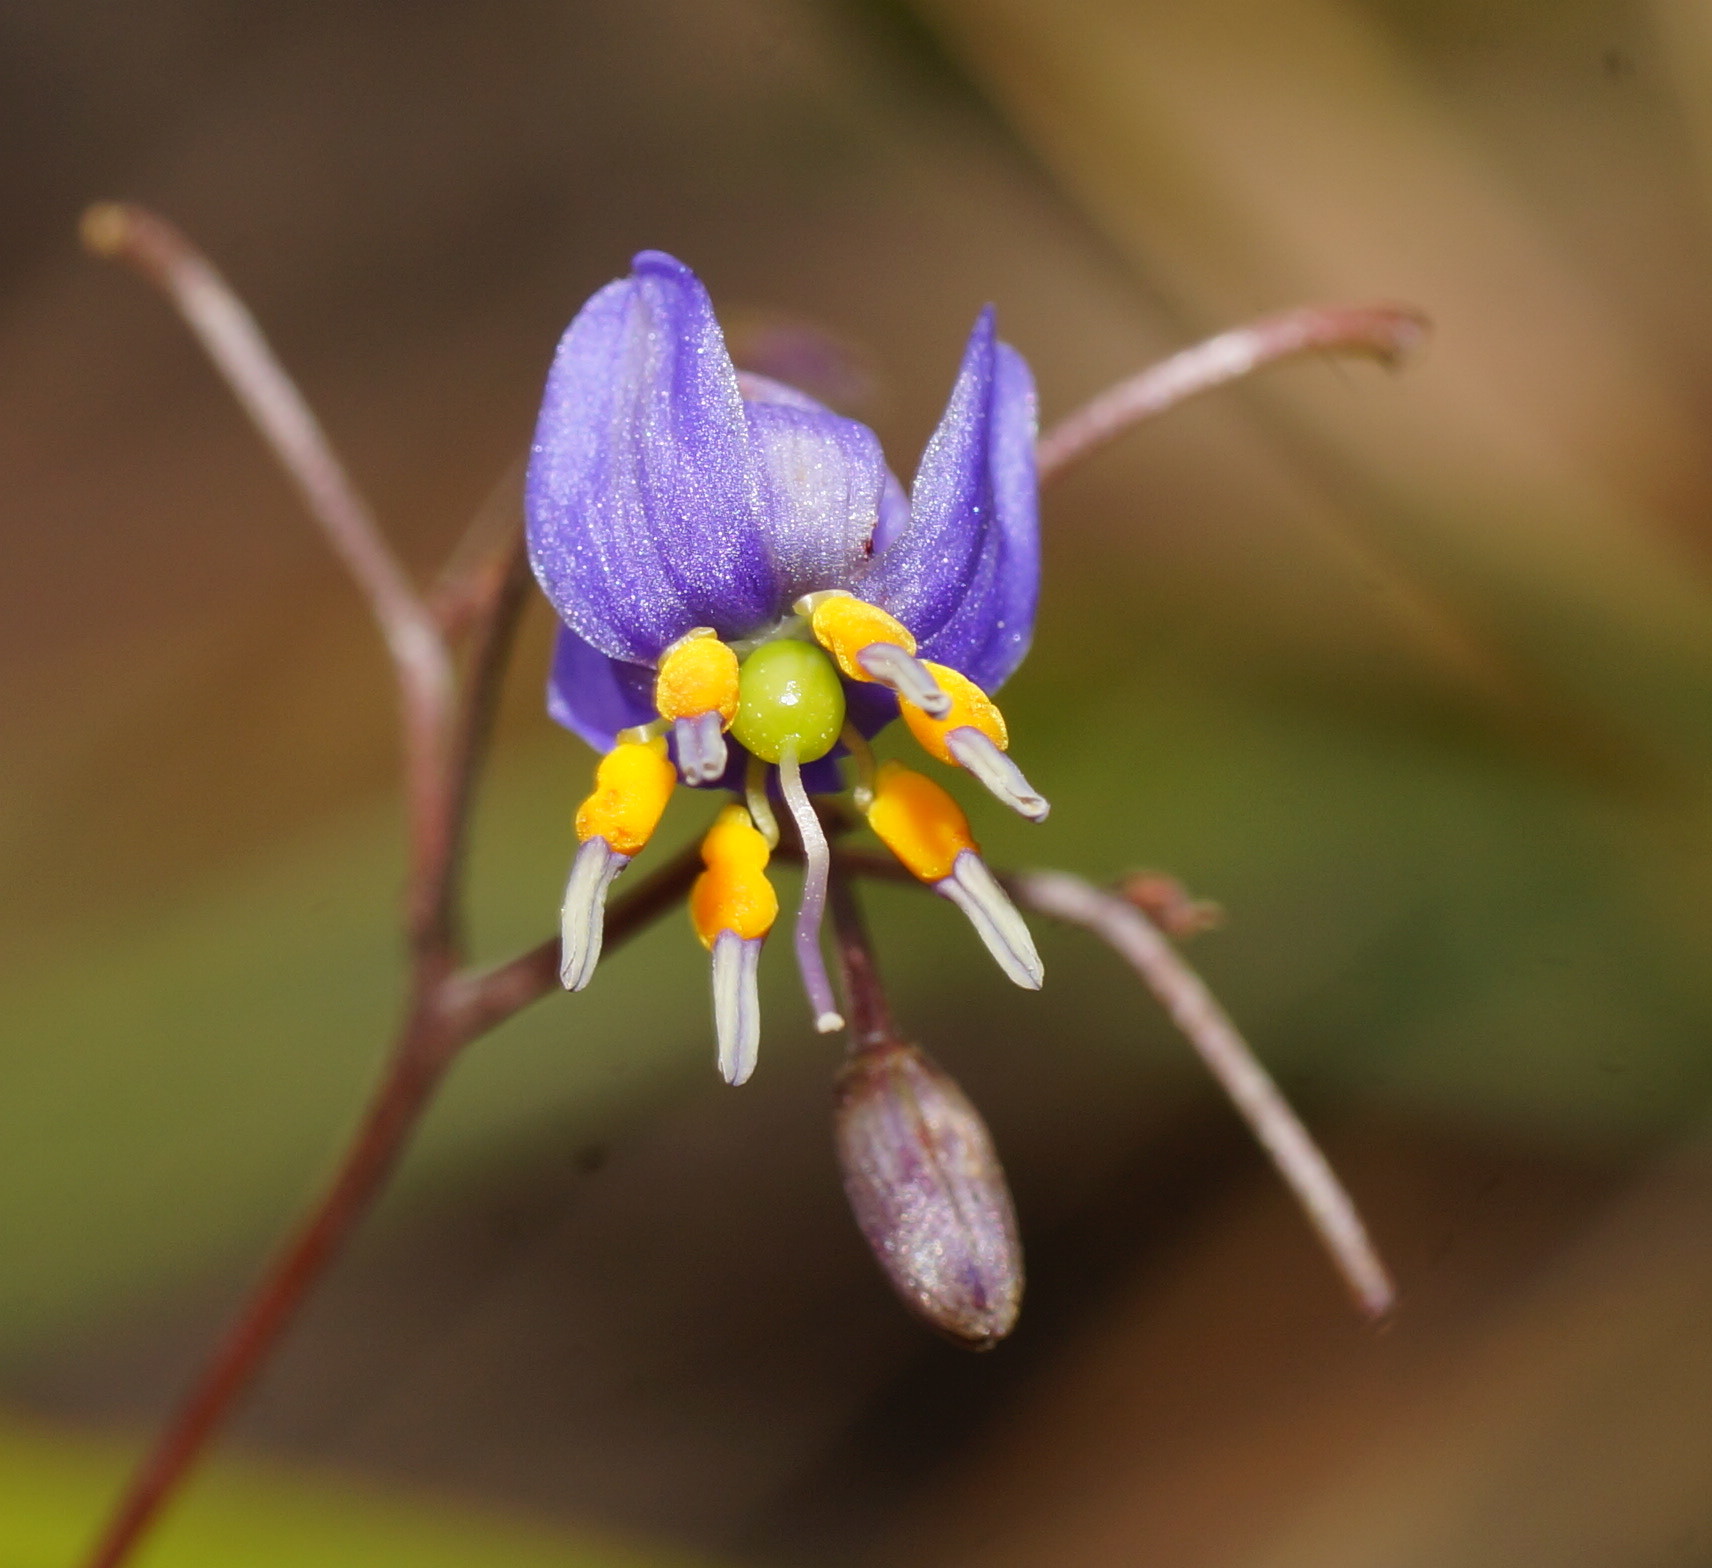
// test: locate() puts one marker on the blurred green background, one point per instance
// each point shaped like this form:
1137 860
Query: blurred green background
1412 673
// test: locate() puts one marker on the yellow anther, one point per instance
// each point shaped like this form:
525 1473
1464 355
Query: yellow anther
844 625
631 787
918 822
971 708
733 894
698 674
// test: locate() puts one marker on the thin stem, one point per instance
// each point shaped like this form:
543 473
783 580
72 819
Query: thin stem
870 1012
492 629
444 738
229 335
486 1000
431 1040
1184 995
1383 332
480 562
418 1062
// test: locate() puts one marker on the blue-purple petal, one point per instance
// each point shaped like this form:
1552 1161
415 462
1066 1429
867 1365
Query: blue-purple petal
822 479
595 696
642 496
894 513
964 573
829 500
666 492
989 634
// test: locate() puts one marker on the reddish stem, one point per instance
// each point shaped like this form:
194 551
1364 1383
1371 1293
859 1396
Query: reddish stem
462 1008
445 733
870 1012
417 1064
421 661
1383 332
494 615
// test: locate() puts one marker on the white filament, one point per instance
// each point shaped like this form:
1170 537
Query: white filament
1003 778
736 1004
760 808
905 674
582 917
817 868
974 890
862 754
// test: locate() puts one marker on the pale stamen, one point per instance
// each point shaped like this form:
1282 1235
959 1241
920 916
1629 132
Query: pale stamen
905 674
817 867
582 918
978 754
975 890
756 799
736 1004
701 748
862 754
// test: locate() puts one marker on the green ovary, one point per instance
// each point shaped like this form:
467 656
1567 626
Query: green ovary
789 699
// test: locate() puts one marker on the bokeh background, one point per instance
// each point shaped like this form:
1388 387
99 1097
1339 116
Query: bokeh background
1412 673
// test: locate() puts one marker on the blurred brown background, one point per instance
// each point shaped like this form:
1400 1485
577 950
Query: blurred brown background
1413 674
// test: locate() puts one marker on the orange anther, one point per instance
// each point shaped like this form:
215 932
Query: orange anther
844 625
631 787
698 674
919 822
733 894
971 708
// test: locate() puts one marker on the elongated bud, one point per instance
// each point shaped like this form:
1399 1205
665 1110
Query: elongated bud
928 1192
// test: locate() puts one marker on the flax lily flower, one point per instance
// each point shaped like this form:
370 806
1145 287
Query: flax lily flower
747 594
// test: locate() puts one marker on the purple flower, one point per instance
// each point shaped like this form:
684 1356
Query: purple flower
748 595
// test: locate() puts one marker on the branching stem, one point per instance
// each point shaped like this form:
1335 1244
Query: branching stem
1226 1055
421 661
1216 1040
1387 333
445 721
460 1011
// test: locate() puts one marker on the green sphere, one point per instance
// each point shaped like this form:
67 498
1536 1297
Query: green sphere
789 699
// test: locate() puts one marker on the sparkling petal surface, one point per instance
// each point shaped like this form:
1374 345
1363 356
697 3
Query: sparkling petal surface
643 496
668 491
964 572
822 480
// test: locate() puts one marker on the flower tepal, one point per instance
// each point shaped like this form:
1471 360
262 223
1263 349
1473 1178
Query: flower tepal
748 595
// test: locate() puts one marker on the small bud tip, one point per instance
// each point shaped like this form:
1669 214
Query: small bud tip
104 228
1376 1299
828 1023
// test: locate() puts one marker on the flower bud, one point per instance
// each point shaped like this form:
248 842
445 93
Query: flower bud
928 1192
